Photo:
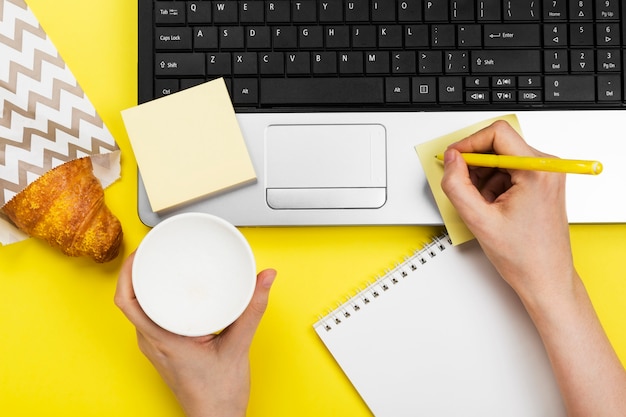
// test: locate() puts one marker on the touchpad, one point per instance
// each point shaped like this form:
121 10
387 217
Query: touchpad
326 166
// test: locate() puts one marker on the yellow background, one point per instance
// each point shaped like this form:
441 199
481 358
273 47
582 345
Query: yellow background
66 350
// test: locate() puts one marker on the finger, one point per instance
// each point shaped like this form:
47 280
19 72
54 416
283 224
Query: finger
126 300
461 191
493 186
499 137
242 330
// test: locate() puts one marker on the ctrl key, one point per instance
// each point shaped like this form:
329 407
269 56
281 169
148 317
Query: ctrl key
164 88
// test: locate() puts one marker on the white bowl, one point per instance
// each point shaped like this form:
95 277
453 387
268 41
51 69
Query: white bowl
194 274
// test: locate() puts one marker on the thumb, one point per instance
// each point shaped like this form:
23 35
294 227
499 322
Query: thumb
458 187
243 329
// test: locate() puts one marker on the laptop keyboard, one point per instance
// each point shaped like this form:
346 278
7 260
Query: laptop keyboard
388 54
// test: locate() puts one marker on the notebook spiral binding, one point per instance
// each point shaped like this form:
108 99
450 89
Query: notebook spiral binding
387 282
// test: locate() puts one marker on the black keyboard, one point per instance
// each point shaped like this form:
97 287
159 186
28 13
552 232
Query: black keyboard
388 54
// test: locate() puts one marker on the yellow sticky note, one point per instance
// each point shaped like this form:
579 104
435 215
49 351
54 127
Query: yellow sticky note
188 145
458 231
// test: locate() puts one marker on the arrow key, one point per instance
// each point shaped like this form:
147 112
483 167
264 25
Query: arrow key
582 60
529 96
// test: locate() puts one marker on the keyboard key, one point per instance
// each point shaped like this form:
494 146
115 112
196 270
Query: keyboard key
225 12
521 10
277 11
179 64
272 63
169 13
397 90
416 36
258 37
436 11
506 62
303 11
529 81
351 63
284 37
324 62
251 12
469 36
165 87
530 96
555 60
198 12
390 36
570 88
377 62
363 37
383 11
245 63
429 62
245 91
298 63
409 11
477 96
581 34
609 88
219 64
172 38
607 34
295 91
462 10
488 10
450 89
357 11
403 62
512 35
456 62
476 82
581 9
503 96
331 11
231 37
607 9
608 60
424 89
337 37
555 10
442 36
205 38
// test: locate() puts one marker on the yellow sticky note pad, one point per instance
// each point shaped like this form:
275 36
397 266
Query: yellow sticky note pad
188 145
458 231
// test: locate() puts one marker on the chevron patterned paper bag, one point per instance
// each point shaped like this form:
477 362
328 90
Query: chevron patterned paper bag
45 118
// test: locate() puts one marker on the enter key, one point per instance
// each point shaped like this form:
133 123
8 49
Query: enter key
512 35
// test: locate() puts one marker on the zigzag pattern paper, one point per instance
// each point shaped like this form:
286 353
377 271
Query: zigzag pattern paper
45 117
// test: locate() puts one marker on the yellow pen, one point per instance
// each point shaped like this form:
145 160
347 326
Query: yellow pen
570 166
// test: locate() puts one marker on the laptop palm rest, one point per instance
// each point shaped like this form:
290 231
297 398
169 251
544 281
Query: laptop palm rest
338 166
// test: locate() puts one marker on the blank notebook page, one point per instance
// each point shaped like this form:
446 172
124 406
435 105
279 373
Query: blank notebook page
450 338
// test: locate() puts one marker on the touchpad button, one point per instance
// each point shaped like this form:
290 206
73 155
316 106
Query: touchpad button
325 166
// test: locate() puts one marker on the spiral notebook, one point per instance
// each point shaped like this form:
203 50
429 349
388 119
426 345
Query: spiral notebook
442 334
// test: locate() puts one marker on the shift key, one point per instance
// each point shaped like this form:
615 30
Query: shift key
175 65
506 61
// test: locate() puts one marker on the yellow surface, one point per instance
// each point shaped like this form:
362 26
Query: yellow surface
67 351
459 233
209 145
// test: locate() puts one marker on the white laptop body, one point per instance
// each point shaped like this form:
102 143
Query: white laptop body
361 168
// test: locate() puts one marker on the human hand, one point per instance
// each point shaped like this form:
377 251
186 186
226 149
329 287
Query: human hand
519 217
210 375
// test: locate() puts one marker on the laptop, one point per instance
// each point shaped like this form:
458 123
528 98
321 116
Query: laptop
333 95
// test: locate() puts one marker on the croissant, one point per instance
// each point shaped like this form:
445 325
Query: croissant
66 208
